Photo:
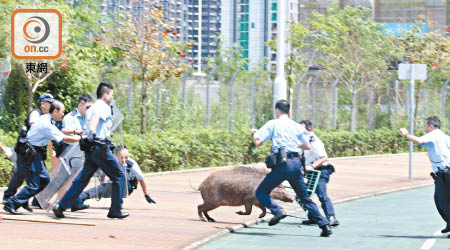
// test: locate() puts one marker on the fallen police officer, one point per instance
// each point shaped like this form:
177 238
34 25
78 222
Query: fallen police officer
133 174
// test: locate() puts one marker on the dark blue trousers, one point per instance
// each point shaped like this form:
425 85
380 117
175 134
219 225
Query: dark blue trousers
19 176
321 192
293 174
442 195
36 177
110 166
102 191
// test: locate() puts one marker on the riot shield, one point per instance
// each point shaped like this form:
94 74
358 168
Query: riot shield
117 116
70 164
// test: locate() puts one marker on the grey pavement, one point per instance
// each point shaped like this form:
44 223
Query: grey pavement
399 220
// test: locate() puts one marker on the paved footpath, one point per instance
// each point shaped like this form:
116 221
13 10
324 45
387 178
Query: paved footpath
173 223
399 220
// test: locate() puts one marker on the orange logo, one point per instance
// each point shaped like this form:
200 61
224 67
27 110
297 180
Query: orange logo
36 34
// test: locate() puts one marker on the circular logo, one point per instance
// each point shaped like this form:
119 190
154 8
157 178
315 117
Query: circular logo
36 29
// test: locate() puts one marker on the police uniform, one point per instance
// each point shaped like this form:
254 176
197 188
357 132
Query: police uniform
284 132
437 144
134 174
36 174
74 121
19 176
315 153
95 160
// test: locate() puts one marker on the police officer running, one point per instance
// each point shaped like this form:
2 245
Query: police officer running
18 177
437 144
98 155
133 173
32 153
317 159
75 121
286 137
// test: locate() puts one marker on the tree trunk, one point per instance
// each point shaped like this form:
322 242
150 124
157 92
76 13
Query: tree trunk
416 103
354 109
389 93
144 106
254 99
30 93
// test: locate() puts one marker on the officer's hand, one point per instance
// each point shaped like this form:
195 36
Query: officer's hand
309 168
149 199
403 131
78 132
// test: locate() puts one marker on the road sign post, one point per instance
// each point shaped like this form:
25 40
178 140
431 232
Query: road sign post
411 72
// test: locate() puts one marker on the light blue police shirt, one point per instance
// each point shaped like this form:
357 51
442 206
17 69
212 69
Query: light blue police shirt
43 131
437 144
283 132
105 123
74 121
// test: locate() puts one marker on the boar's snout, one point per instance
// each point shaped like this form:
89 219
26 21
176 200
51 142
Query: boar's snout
279 193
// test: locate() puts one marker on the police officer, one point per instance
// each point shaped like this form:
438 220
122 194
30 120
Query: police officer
74 122
133 174
18 177
31 158
98 155
437 144
286 137
317 158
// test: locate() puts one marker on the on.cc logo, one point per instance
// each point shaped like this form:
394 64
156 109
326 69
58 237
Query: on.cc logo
36 29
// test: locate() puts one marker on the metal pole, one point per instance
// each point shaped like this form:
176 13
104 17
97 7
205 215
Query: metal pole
425 97
411 120
313 98
280 81
232 100
183 90
444 96
254 99
335 102
208 80
390 104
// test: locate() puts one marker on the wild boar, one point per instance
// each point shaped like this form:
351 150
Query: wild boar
235 187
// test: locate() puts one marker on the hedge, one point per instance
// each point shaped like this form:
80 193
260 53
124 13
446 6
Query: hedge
197 148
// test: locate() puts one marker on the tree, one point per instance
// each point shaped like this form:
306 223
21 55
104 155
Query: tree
430 48
148 45
82 58
350 45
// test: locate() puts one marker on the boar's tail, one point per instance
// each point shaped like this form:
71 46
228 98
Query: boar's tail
195 189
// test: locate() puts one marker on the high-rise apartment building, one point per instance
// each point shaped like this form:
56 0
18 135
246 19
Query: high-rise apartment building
250 24
183 15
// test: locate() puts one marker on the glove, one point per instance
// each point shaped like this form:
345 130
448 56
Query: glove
149 200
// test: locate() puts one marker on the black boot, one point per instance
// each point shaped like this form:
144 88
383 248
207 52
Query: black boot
326 231
58 211
276 218
333 221
446 229
11 208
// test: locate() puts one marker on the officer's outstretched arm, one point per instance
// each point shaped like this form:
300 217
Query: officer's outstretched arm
146 194
72 138
413 138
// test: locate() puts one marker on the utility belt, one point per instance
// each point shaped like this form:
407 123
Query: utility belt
328 167
89 145
280 158
440 173
28 151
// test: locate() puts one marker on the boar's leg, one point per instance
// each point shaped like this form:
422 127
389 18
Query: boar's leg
248 203
204 208
262 208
